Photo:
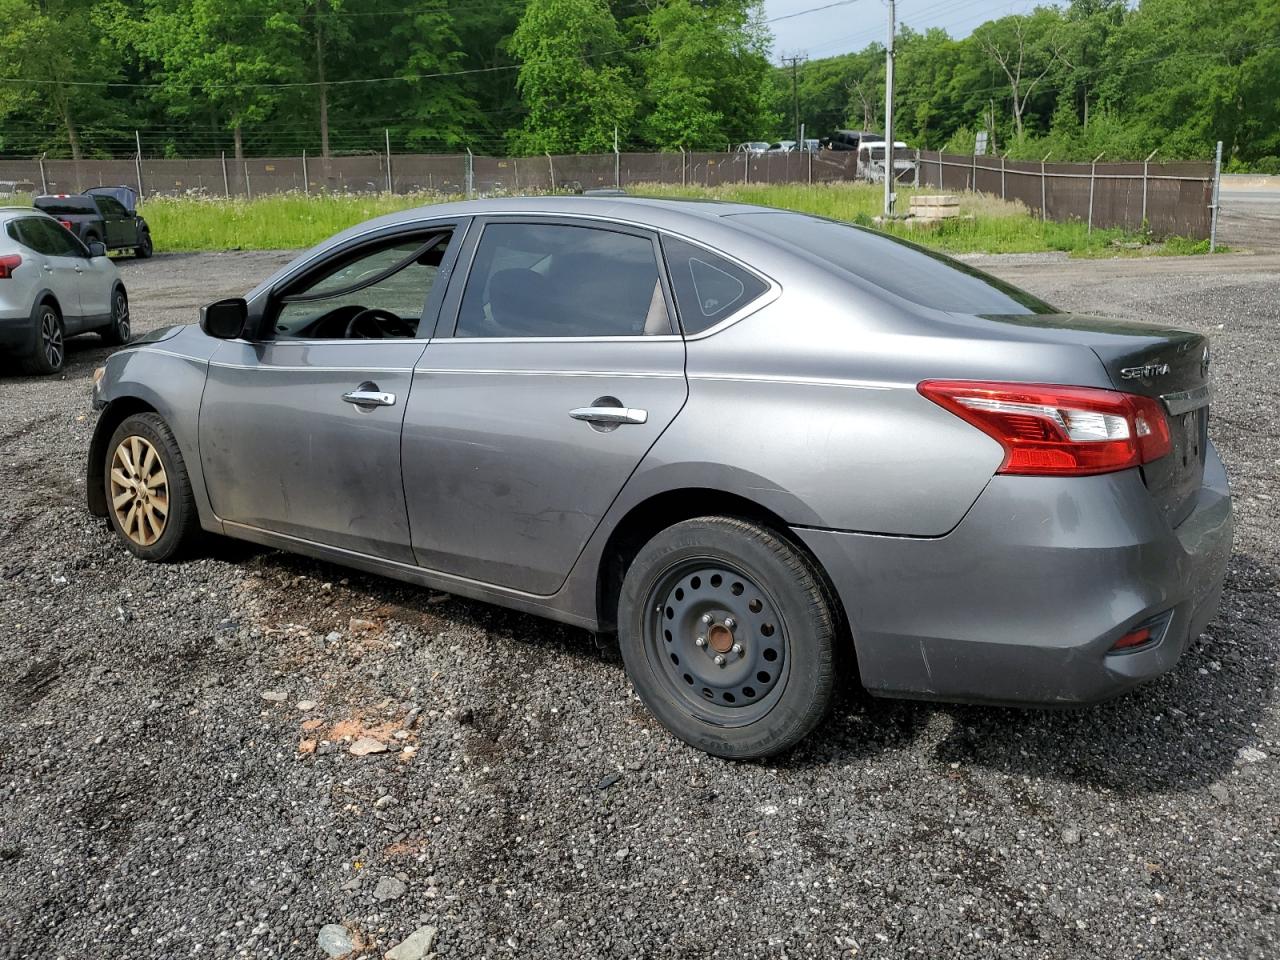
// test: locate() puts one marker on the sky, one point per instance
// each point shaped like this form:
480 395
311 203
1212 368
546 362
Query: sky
850 27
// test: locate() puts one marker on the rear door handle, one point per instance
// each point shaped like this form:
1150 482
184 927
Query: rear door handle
370 398
610 414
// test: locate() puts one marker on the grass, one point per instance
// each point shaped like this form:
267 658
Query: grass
986 225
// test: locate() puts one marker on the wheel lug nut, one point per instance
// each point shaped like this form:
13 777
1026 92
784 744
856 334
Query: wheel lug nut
706 618
730 622
719 660
701 641
737 648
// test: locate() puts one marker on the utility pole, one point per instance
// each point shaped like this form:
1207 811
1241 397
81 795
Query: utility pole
889 193
795 91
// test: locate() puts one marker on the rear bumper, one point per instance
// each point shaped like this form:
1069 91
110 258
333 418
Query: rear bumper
1021 603
17 331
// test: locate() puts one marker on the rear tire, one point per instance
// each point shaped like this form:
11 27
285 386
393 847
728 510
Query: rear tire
119 331
49 350
728 636
150 504
144 249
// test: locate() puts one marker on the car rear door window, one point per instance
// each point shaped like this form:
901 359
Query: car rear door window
560 280
708 287
112 208
45 236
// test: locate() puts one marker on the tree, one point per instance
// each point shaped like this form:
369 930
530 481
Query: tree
59 64
224 58
1026 49
705 69
571 79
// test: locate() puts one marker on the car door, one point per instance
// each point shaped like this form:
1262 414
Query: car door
300 429
60 265
121 228
562 369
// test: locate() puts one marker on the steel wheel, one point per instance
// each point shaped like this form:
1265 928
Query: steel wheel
139 490
717 639
51 343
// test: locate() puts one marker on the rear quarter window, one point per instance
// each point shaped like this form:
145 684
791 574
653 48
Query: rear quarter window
708 287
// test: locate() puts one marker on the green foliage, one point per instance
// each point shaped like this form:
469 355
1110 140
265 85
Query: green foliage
1076 78
570 78
706 71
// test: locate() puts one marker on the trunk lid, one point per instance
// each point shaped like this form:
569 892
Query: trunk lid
1162 362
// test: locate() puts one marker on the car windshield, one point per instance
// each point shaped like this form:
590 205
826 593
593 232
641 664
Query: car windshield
56 205
898 266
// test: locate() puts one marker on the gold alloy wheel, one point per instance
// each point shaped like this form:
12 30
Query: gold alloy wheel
139 490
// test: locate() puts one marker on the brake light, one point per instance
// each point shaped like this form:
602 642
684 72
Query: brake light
65 223
1134 638
8 263
1051 430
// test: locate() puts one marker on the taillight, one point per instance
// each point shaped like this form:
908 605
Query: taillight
1053 430
65 223
8 263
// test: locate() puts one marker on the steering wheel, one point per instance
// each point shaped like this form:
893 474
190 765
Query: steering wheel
378 324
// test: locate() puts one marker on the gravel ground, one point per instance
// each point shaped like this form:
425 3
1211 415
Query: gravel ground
176 781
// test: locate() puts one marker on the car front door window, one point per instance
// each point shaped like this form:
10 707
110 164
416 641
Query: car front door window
378 295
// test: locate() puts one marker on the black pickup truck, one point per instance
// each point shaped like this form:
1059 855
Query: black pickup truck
107 215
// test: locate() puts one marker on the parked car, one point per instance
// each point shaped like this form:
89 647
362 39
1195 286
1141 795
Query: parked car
782 146
752 146
107 215
746 440
52 286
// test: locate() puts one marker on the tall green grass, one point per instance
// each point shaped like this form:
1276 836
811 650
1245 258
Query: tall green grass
289 221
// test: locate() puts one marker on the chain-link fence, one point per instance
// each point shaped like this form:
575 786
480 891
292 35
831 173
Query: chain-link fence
1169 199
1166 198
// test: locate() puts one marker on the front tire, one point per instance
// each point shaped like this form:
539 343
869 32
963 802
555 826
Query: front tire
149 499
728 637
49 351
119 331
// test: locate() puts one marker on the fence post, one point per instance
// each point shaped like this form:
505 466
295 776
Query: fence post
941 185
1093 176
137 161
552 167
226 183
387 133
974 186
809 164
44 183
248 187
1002 188
1145 164
617 161
306 180
471 174
1044 193
917 180
1217 188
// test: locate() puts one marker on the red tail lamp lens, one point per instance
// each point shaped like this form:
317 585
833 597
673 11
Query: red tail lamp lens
8 263
1135 638
1051 430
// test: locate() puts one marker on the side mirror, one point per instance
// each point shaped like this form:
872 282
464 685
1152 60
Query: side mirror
225 319
97 249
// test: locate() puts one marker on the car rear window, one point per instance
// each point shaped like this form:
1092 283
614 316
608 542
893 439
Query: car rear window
57 205
898 266
708 288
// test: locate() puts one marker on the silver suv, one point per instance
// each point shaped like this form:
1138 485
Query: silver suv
52 286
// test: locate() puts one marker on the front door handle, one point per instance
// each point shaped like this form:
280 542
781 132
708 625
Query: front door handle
610 414
370 398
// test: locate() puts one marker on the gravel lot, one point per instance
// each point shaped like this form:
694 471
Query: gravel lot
165 792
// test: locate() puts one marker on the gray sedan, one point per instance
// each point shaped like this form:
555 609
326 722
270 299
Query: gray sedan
754 444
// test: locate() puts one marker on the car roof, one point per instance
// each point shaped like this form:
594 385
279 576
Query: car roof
12 213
